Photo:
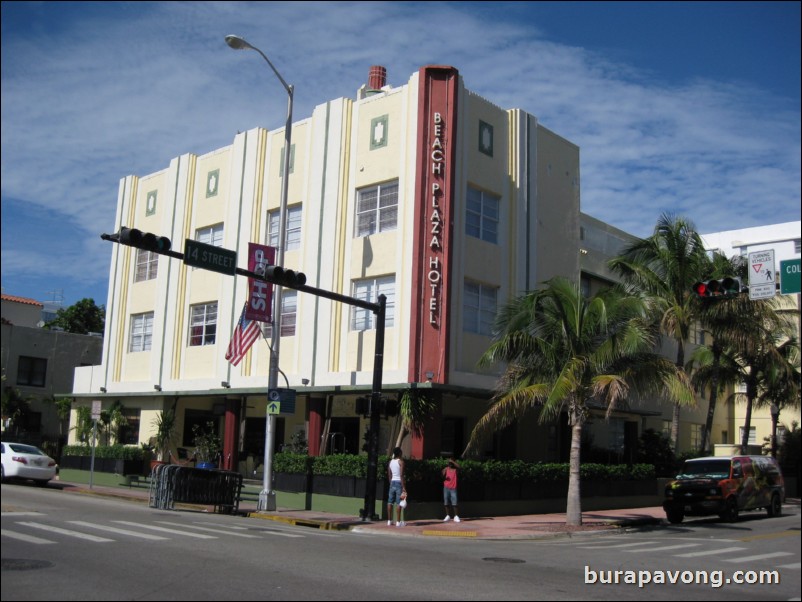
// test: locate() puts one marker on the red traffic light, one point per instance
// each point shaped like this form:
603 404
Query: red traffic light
700 288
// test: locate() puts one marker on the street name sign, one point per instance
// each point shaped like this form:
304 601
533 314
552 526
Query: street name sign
761 275
209 257
790 277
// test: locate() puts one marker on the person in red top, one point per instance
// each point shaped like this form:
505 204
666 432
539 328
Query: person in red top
450 490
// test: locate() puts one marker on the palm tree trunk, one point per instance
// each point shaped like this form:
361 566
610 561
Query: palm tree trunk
675 414
750 397
573 513
711 406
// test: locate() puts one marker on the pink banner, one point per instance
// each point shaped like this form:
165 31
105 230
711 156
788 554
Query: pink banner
260 293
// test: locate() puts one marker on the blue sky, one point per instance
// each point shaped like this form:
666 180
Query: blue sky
684 107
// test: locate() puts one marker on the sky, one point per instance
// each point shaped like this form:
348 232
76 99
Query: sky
689 108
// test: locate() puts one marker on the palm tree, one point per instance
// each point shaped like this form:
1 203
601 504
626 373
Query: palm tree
415 408
565 352
664 267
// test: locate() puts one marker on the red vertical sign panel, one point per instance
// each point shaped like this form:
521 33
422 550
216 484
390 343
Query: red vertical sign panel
260 293
434 203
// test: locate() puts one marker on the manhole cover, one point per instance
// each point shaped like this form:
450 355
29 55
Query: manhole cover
508 560
22 564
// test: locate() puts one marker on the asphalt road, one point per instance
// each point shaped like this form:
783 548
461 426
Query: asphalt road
58 546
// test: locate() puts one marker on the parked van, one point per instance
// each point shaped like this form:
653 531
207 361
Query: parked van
725 486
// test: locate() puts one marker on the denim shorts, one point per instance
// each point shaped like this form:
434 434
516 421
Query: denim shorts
394 496
449 496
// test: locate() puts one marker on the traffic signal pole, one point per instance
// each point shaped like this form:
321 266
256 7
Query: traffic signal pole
275 277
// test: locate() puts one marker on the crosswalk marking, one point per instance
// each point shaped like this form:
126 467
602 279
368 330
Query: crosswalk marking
210 530
23 537
758 557
67 532
708 552
116 530
165 530
617 545
664 548
795 565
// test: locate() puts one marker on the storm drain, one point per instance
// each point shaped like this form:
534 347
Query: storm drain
22 564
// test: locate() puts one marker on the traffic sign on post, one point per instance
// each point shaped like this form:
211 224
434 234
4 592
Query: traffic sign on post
762 284
790 277
209 257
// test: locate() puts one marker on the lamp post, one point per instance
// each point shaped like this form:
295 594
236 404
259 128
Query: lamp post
267 497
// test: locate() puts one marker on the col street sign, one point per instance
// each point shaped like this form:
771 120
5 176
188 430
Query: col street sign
790 276
281 401
761 275
209 257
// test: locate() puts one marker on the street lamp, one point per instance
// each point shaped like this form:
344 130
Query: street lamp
267 497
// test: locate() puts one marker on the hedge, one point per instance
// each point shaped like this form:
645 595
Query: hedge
470 470
117 452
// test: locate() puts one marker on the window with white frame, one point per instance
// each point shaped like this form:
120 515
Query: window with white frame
480 304
203 324
292 227
369 290
289 314
147 265
376 209
752 435
141 332
211 235
481 217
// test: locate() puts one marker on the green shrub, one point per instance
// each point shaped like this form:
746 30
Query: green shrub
118 452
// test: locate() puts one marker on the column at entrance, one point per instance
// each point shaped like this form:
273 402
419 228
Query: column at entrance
230 459
317 410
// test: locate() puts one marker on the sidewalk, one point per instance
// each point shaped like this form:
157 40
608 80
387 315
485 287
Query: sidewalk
495 527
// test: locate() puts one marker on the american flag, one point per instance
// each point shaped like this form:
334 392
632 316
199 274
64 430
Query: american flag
246 332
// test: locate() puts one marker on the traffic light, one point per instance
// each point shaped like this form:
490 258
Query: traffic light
284 277
141 240
722 288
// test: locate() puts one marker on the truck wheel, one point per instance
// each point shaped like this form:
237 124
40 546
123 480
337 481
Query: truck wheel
776 507
675 516
730 513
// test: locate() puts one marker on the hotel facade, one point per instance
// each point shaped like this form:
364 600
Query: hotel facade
426 193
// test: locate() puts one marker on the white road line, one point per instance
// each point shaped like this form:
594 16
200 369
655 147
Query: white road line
210 530
664 548
23 537
758 557
116 530
708 553
165 530
796 565
617 545
67 532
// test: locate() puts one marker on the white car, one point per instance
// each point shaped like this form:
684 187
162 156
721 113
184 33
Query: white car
22 461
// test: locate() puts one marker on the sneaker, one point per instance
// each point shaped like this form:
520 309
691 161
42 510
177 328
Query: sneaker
456 519
389 523
447 518
401 524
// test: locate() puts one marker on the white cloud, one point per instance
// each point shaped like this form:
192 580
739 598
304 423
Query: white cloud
100 98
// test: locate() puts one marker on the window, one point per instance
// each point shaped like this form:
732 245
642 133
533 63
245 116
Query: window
291 167
293 228
376 209
667 428
696 436
481 220
141 332
378 132
485 138
147 265
289 312
129 433
150 203
203 324
697 334
211 235
752 435
479 308
31 371
369 290
616 440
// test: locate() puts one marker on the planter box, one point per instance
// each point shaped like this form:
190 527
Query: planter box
291 483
